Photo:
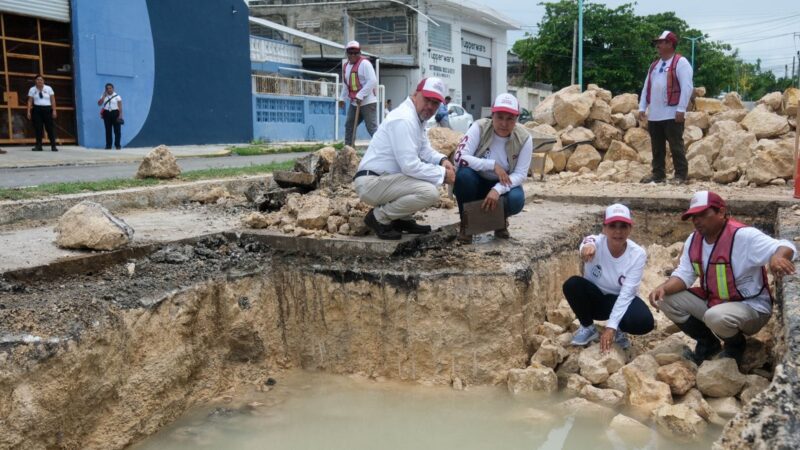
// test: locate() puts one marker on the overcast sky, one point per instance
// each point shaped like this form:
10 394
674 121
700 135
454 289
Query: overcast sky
758 28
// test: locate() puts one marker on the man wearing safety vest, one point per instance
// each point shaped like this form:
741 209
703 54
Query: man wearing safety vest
733 298
667 91
360 85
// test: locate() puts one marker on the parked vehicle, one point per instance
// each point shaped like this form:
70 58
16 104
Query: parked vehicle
524 116
460 120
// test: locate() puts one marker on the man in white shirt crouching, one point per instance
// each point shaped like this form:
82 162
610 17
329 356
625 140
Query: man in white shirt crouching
400 171
733 298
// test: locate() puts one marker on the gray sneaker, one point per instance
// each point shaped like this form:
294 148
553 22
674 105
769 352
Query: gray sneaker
585 335
621 339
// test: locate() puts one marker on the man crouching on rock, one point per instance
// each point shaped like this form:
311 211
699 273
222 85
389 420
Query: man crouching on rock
400 171
493 160
733 298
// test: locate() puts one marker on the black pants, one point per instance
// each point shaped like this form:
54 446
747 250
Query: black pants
42 117
589 304
367 114
110 121
662 131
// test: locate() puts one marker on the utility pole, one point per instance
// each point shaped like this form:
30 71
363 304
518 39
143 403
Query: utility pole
693 39
575 43
346 25
580 44
798 69
793 59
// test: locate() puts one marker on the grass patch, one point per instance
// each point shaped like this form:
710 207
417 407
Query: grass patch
75 187
266 149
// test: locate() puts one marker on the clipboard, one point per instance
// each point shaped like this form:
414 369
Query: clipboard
477 221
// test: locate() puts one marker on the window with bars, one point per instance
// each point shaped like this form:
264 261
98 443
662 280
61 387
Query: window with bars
382 30
440 37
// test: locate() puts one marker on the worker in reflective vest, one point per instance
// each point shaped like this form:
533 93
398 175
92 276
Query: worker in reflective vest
359 89
665 97
733 298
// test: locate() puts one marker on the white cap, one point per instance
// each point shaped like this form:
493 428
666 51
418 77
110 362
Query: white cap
353 44
432 88
506 103
618 213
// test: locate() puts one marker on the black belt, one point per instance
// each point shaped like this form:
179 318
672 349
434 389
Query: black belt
362 173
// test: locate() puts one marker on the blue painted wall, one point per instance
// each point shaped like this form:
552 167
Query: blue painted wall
279 118
182 70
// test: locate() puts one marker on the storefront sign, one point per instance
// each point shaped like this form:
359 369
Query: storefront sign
442 65
472 44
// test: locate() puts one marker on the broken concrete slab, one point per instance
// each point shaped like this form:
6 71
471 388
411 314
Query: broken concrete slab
288 179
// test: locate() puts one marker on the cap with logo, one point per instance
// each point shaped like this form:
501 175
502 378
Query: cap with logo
506 103
668 36
701 201
432 87
354 45
618 213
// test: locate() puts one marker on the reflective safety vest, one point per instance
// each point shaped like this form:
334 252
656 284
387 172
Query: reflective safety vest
717 283
673 86
353 83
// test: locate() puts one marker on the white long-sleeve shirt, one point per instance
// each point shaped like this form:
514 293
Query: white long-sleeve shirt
368 79
659 109
401 146
751 251
465 157
617 276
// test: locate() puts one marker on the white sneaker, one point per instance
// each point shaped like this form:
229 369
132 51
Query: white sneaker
585 335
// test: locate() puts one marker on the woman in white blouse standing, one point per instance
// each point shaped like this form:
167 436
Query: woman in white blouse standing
111 111
42 110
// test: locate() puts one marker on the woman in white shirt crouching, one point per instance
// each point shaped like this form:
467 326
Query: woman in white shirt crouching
609 287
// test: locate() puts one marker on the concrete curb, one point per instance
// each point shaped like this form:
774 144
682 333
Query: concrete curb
115 160
134 198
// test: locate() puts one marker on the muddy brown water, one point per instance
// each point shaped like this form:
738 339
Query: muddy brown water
109 355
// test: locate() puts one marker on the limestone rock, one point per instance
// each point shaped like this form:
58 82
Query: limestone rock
681 422
632 432
575 384
606 397
708 147
549 355
572 109
558 161
290 179
735 150
639 140
259 220
549 330
699 119
735 115
604 134
709 105
770 160
580 407
600 112
530 379
597 366
211 195
583 156
647 364
644 393
694 400
791 98
625 171
700 91
700 169
561 316
733 101
577 134
600 93
773 101
568 367
624 121
313 212
159 163
720 378
726 176
691 134
617 382
543 113
342 169
544 129
724 127
618 151
334 223
754 385
317 163
444 140
624 103
680 376
672 345
764 123
725 407
89 225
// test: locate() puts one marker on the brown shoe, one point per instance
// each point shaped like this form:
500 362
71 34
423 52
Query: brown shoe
503 232
463 237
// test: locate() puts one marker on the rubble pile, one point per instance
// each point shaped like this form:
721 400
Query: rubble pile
651 382
316 198
724 141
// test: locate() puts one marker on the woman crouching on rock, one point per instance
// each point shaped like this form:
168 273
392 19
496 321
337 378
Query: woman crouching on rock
613 266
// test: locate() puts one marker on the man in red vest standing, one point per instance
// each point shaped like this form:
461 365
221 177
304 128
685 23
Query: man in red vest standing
733 298
667 91
360 84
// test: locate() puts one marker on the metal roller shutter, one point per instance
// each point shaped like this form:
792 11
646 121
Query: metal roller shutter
57 10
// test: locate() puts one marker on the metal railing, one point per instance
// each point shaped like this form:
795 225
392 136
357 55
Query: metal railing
275 85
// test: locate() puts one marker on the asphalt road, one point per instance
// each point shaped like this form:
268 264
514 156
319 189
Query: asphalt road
32 176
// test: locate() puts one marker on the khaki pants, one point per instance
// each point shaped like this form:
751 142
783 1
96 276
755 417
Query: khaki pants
395 196
725 319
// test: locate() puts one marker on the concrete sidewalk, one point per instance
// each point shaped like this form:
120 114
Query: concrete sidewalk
74 155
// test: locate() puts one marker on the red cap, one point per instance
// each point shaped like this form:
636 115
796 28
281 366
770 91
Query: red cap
432 88
701 201
354 45
618 213
506 103
668 36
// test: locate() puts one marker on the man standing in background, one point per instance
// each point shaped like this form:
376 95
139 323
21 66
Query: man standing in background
360 83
